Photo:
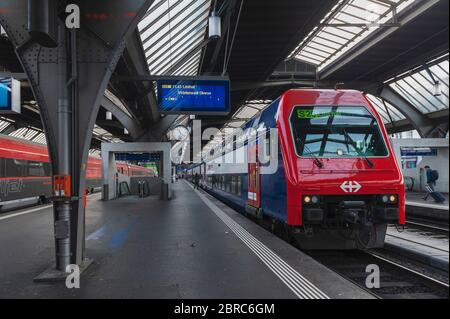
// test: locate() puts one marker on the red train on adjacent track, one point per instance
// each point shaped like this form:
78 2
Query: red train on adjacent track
25 172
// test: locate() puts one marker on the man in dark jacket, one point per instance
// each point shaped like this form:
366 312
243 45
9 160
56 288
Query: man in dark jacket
431 181
196 180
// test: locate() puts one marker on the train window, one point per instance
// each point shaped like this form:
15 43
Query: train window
15 168
35 169
237 185
229 184
337 131
47 169
267 144
2 167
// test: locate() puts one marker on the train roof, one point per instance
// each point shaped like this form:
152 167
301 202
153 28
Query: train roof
20 140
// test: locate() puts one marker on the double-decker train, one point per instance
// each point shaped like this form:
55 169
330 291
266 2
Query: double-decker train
25 173
336 183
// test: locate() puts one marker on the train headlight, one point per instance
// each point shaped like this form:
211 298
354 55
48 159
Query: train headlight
389 199
392 199
311 200
307 199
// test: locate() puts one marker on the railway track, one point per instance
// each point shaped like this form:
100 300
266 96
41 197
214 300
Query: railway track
396 281
426 224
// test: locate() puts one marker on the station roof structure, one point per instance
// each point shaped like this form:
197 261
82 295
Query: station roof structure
394 50
169 30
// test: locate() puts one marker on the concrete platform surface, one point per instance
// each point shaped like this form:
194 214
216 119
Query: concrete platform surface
427 247
416 199
417 207
190 247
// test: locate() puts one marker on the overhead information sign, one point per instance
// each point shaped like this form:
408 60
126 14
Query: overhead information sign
9 95
197 96
134 157
419 152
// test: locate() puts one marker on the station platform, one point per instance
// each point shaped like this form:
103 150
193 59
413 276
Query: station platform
416 206
428 248
190 247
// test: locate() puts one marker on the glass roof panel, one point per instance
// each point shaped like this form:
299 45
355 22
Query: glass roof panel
4 124
387 111
427 88
26 133
247 111
347 24
171 29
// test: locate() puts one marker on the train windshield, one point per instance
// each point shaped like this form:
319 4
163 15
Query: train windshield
336 131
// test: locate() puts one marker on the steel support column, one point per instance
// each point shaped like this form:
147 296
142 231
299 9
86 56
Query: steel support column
97 47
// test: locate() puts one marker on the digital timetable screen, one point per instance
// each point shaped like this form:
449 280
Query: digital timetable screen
9 96
202 97
5 96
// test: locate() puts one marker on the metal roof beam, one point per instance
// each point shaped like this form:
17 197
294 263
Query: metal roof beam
129 123
362 47
419 120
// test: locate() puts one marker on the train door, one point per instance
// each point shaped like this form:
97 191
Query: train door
254 182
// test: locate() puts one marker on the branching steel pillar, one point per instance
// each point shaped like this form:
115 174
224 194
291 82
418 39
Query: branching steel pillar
63 209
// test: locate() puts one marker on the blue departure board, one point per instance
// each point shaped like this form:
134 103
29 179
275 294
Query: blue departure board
143 157
5 96
202 97
9 96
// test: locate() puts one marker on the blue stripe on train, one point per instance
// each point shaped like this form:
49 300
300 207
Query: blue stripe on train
273 187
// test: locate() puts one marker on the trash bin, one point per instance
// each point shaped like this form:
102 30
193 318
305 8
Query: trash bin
164 191
105 192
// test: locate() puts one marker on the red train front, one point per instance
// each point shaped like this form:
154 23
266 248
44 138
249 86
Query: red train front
335 183
343 182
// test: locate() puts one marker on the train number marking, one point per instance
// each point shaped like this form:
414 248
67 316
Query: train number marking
351 186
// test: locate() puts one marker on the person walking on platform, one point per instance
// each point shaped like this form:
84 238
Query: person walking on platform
196 180
432 177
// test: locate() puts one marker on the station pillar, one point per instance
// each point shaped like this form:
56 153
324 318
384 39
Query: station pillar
69 70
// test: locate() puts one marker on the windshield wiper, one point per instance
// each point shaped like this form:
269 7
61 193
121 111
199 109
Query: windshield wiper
361 154
317 161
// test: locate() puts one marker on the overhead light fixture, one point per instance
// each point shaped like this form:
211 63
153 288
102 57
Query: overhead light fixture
437 84
109 116
43 22
437 89
215 26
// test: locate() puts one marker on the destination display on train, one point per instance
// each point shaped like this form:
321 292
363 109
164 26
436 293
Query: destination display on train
202 97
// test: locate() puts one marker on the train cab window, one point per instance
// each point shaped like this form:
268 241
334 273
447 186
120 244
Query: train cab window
336 132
